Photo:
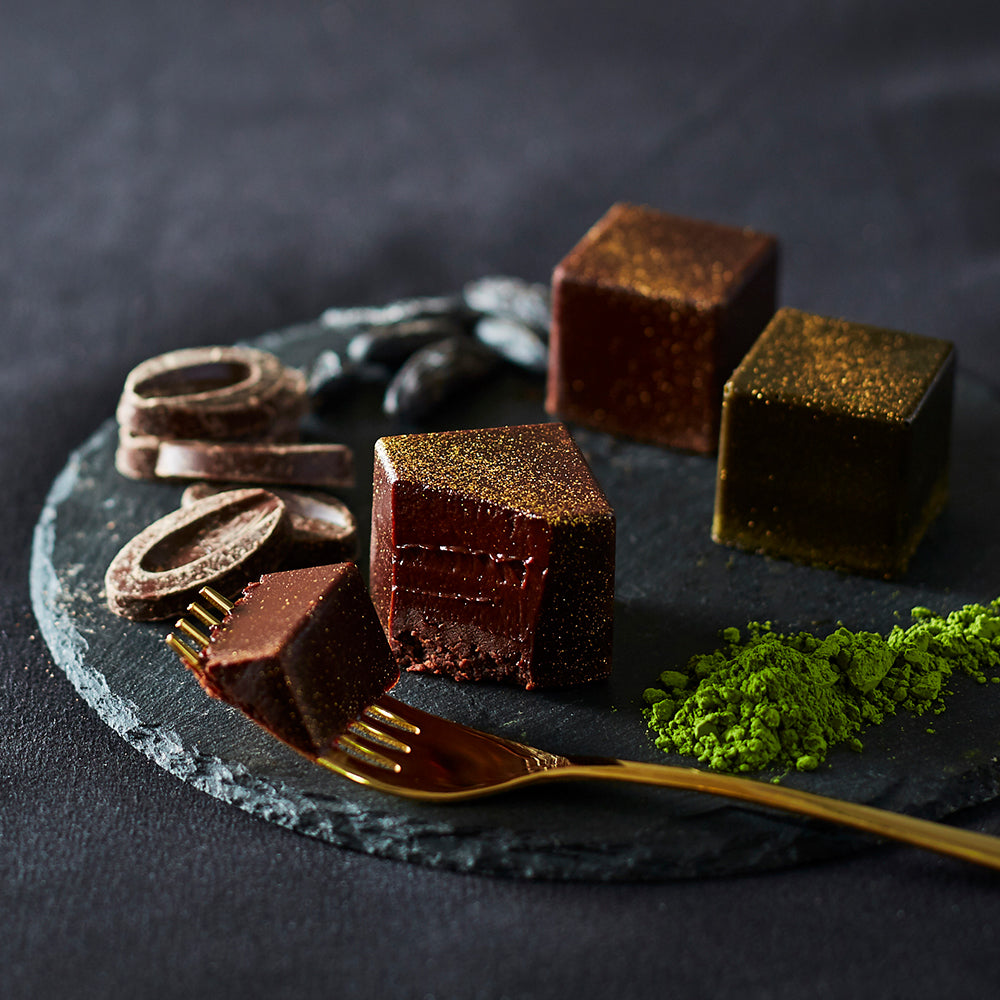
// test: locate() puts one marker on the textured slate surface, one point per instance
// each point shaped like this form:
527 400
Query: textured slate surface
675 590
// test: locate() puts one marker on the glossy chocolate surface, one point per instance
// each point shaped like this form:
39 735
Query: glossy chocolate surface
493 555
835 442
650 315
302 653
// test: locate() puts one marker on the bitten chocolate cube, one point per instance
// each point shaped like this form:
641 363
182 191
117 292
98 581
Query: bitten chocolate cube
834 444
493 556
650 314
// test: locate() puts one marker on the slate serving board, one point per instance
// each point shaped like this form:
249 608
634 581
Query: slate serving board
675 590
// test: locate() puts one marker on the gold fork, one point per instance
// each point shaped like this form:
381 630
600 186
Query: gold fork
400 749
396 748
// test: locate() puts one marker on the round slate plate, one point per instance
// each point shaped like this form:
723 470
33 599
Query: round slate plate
675 591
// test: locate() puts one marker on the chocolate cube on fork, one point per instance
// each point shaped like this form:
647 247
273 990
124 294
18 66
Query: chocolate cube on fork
301 652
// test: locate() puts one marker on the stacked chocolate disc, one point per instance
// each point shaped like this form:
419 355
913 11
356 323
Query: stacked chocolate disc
206 394
226 417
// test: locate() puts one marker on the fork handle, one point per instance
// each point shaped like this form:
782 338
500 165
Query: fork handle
979 848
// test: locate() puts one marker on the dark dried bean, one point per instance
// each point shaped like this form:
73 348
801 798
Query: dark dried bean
436 373
331 377
439 305
393 343
514 342
511 298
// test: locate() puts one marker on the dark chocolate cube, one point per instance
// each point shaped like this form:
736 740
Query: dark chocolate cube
834 444
493 555
302 653
650 314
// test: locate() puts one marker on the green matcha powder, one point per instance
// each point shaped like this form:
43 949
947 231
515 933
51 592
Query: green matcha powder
772 701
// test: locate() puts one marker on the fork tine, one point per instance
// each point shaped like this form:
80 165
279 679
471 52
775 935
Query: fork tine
215 598
389 711
184 651
365 754
194 633
364 751
364 729
360 769
203 615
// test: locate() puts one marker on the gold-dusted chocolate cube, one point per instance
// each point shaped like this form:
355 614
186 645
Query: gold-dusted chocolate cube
834 444
650 314
493 556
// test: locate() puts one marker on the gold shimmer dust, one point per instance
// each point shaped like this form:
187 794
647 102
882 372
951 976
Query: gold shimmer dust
664 256
534 468
840 367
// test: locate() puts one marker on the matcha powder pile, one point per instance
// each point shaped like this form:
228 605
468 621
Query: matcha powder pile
766 700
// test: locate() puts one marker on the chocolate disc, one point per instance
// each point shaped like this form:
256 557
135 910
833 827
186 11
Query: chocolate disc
323 529
136 455
322 465
216 393
221 541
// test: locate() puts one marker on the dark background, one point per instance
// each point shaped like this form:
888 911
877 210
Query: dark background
177 174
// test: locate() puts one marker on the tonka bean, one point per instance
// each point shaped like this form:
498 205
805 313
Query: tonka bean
511 298
436 373
439 305
393 343
331 378
514 341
